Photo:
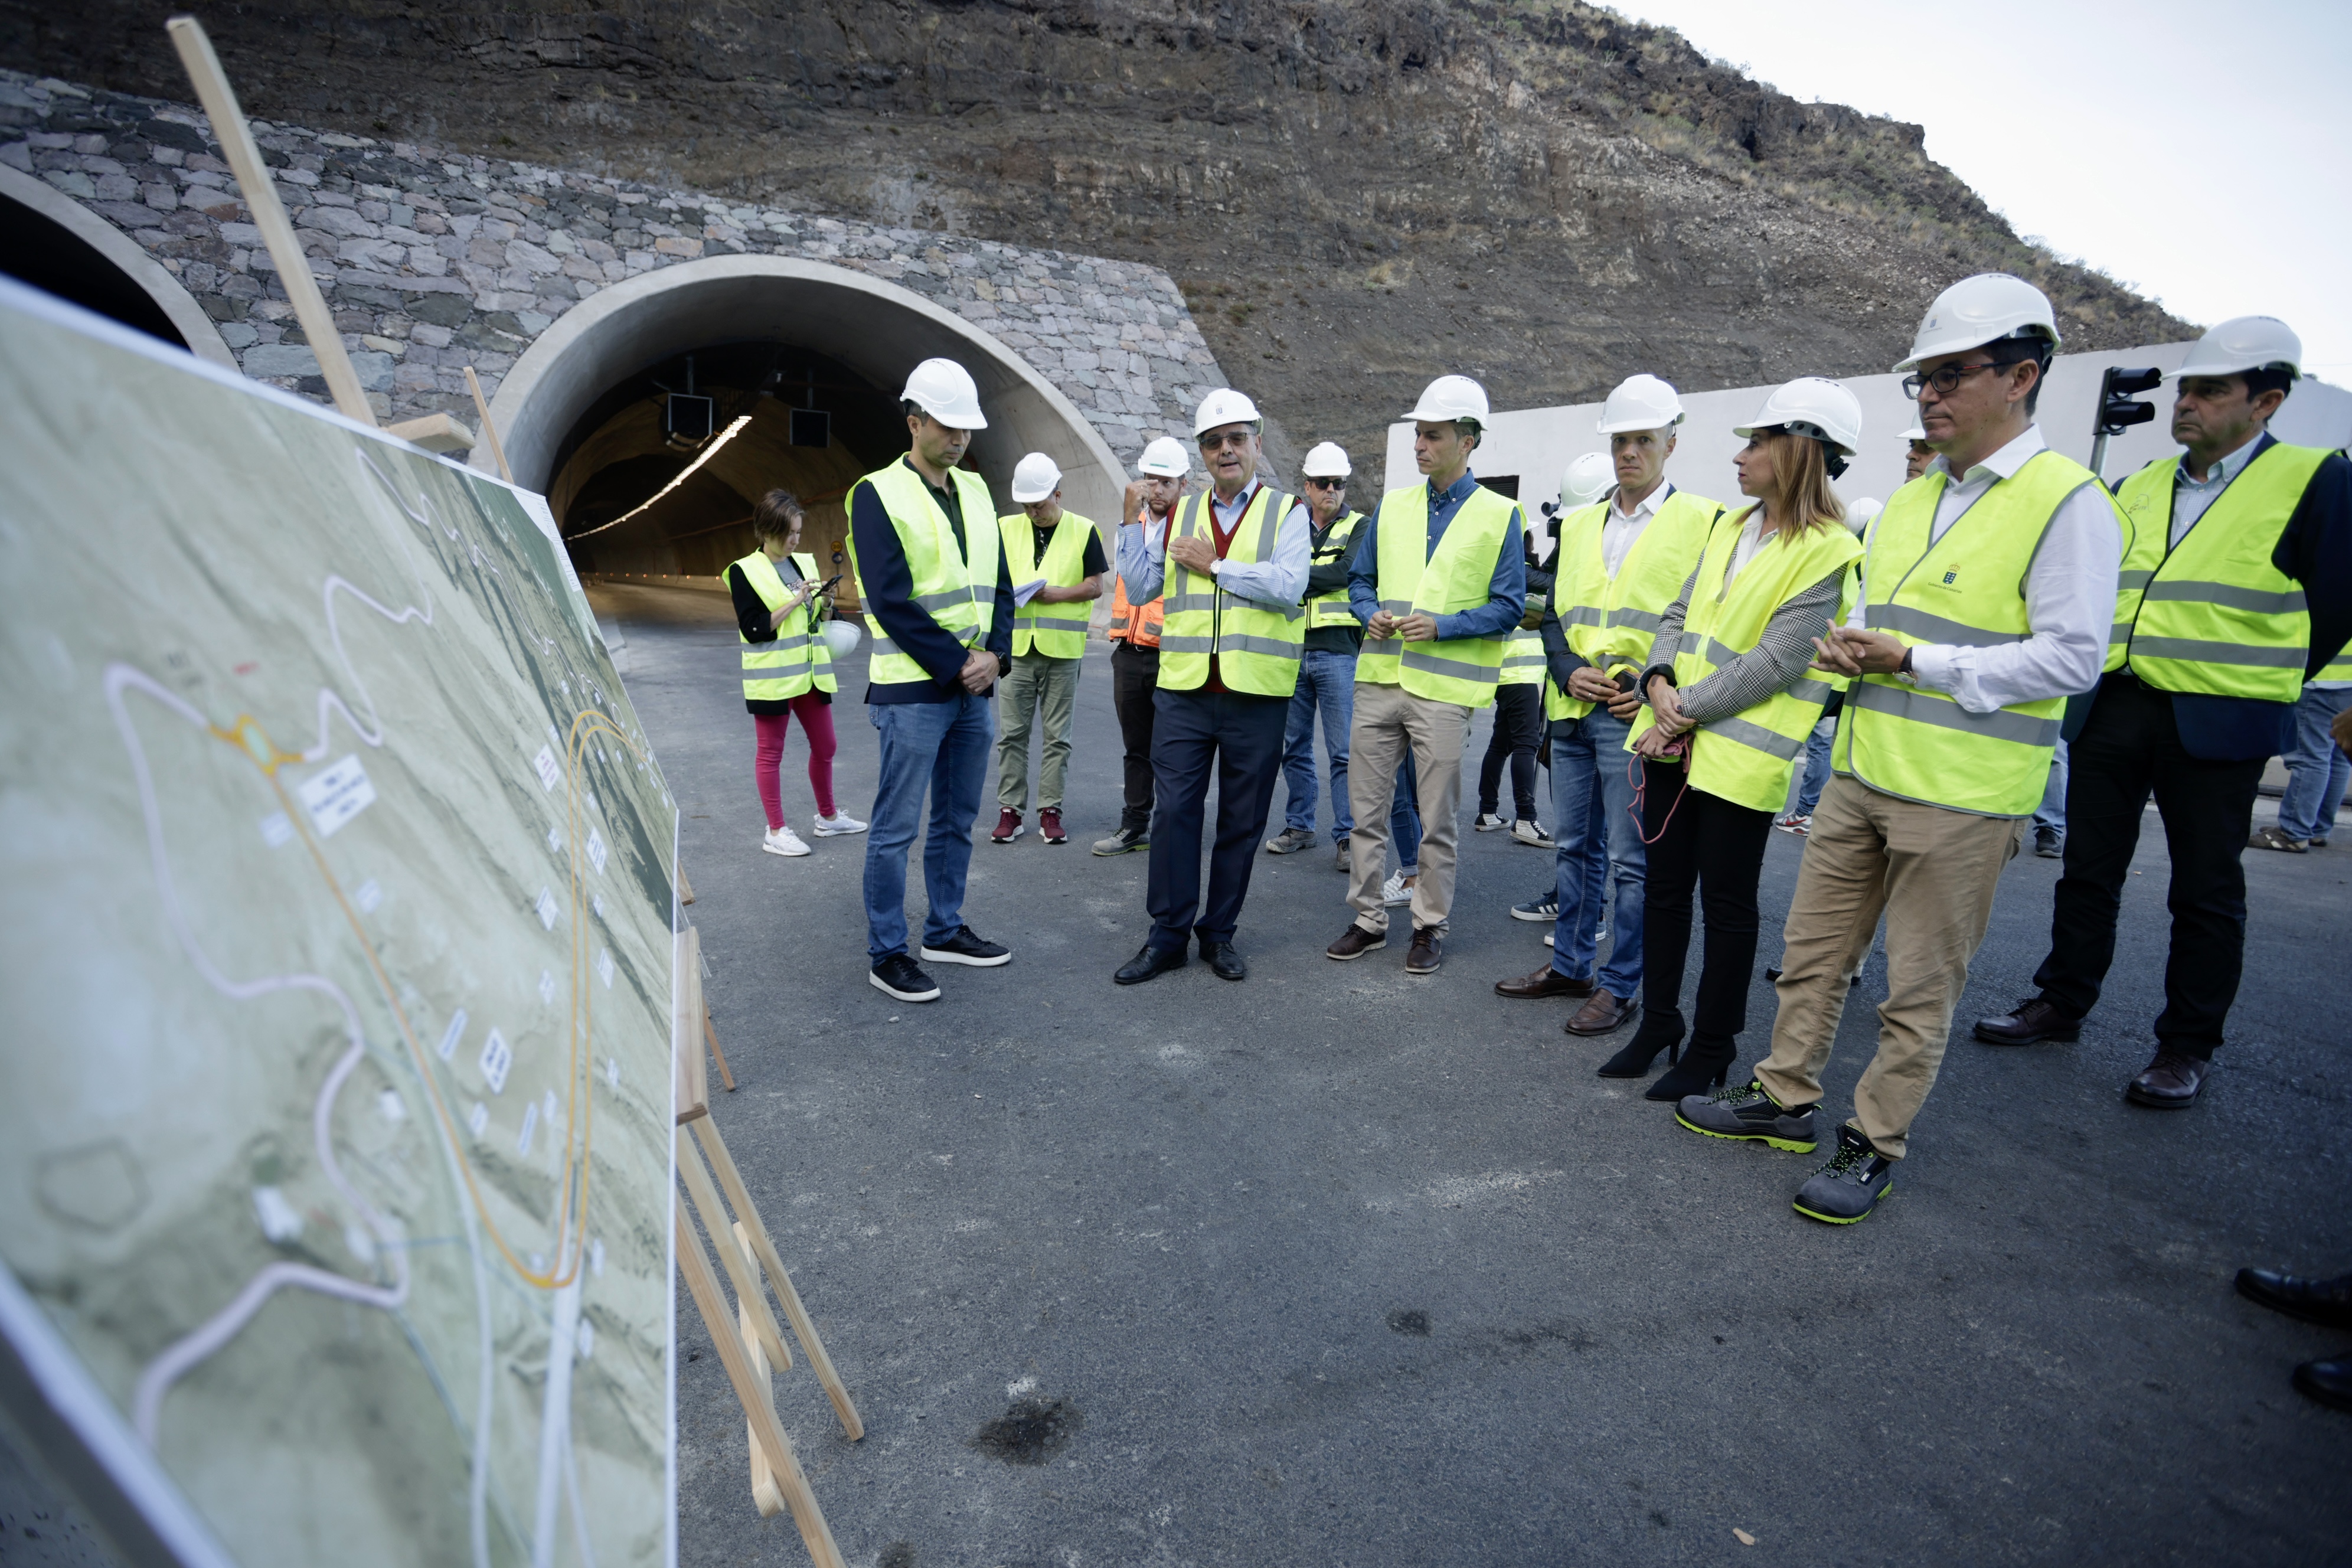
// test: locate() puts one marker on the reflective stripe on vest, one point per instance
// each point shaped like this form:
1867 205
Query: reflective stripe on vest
1611 622
1747 759
1057 631
2213 614
1523 657
958 594
1967 588
1415 580
1255 646
798 661
1331 609
1136 629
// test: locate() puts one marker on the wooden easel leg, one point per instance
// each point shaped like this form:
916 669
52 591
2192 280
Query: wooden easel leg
765 1494
767 1432
731 1181
685 888
740 1271
712 1035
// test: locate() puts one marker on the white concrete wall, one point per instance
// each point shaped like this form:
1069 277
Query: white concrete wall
1538 444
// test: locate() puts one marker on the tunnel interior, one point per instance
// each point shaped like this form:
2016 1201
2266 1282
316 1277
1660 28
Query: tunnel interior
37 249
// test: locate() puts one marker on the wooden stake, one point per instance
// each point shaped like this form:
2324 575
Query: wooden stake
690 1081
740 1271
435 433
326 339
685 888
489 431
766 1430
730 1179
712 1035
765 1494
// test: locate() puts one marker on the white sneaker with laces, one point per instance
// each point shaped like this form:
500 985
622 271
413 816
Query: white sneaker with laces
1394 891
784 841
839 822
1488 822
1527 831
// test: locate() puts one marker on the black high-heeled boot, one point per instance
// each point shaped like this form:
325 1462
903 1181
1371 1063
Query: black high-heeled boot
1702 1067
1656 1035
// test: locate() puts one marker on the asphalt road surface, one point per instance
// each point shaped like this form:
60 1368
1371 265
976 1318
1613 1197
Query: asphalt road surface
1338 1266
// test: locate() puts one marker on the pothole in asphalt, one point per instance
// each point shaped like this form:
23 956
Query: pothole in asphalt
1030 1431
1410 1321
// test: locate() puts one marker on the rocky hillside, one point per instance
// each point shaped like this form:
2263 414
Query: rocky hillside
1355 194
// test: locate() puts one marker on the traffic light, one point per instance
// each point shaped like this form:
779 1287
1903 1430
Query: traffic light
2120 409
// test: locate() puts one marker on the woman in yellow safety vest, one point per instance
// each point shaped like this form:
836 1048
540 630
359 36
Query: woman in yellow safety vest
787 666
1730 703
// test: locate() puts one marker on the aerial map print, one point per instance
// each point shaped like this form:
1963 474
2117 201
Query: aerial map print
335 909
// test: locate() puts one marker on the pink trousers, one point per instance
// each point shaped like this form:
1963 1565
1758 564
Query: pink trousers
816 723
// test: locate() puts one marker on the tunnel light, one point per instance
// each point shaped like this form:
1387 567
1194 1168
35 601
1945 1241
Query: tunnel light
683 474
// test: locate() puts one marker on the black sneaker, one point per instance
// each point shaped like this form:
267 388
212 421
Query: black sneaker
900 976
1544 908
966 947
1845 1190
1748 1114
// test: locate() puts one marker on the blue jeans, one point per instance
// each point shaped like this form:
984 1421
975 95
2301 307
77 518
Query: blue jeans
1592 805
941 747
1404 818
2316 772
2052 812
1326 684
1817 767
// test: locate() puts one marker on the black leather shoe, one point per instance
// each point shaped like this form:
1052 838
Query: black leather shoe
2327 1302
1225 960
1150 961
2329 1382
2033 1020
2170 1083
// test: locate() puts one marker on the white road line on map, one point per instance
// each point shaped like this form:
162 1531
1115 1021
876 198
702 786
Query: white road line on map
450 1035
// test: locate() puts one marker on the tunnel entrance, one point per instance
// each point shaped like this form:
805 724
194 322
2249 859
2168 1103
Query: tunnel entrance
50 241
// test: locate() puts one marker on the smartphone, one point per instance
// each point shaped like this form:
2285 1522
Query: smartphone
1629 680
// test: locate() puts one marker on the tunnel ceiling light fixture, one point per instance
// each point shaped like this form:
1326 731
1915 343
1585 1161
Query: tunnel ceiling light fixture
683 474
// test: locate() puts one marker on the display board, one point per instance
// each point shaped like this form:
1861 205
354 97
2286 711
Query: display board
335 911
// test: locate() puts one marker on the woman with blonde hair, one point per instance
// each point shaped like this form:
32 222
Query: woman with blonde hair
1730 699
787 666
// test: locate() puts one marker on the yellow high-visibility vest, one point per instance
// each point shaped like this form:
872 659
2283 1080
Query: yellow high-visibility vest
1965 588
1331 609
1057 631
1415 580
1612 621
799 661
2213 614
1255 646
956 589
1523 658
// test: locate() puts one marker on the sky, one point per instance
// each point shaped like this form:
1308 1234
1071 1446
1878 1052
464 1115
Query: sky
2200 153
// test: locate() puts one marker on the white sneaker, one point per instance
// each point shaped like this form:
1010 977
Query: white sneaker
1528 831
1488 822
784 841
839 822
1394 891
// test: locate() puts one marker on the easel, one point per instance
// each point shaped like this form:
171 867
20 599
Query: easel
752 1343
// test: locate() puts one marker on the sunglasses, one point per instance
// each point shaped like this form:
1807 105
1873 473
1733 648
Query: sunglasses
1235 438
1316 484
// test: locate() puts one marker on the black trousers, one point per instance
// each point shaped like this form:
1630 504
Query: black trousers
1702 841
1518 731
1134 676
2130 749
1238 739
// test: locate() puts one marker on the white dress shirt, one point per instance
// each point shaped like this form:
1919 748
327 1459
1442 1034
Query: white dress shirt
2070 595
2191 496
1280 581
1622 529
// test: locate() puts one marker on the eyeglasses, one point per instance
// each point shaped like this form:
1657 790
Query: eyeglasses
1945 379
1235 438
1314 484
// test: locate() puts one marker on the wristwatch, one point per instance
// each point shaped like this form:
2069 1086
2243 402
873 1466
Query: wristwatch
1903 671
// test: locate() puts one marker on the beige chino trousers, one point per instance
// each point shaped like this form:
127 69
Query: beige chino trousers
1932 873
1389 720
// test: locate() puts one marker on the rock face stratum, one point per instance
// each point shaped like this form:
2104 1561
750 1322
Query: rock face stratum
1353 194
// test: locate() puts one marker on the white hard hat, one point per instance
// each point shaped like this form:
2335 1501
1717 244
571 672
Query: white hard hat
1586 480
1917 432
1861 514
1328 460
1812 406
1164 458
1223 406
1452 397
841 637
2242 344
1978 311
1034 477
1640 403
944 390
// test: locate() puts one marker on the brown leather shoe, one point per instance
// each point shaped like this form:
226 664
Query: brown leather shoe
2031 1020
1603 1015
1426 952
2170 1083
1355 941
1545 982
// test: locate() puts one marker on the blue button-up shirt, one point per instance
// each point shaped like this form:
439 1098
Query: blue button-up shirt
1507 598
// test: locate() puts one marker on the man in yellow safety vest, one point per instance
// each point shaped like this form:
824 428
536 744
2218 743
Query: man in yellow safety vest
1056 558
1439 582
2236 588
1987 587
1150 506
938 604
1327 663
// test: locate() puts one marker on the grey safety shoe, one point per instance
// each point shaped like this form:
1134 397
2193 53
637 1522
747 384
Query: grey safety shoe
1751 1115
1125 840
1845 1190
1290 841
1346 861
